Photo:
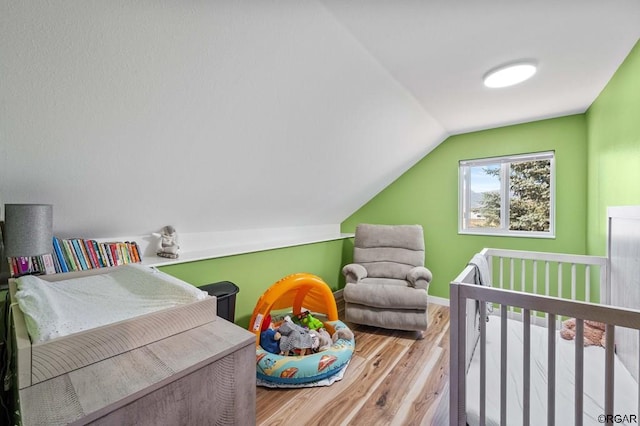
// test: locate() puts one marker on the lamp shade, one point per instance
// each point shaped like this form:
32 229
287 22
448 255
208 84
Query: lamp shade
28 229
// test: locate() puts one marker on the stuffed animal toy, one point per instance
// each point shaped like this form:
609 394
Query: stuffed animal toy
324 339
294 338
310 321
342 333
269 337
315 341
168 244
594 332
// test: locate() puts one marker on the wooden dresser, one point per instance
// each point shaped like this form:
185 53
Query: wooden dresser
203 376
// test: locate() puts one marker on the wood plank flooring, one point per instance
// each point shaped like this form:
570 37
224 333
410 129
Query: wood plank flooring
393 379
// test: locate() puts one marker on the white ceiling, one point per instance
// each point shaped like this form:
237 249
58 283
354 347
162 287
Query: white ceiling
226 115
439 51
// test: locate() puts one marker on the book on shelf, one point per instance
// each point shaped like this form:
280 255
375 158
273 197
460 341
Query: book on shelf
70 255
76 254
48 263
59 257
79 255
92 254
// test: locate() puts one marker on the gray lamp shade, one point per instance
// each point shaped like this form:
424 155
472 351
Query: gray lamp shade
28 229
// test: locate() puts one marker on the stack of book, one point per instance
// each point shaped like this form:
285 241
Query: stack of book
77 254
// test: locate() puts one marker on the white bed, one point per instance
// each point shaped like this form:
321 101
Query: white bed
515 369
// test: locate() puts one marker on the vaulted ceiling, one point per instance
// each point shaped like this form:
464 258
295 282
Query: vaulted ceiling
226 115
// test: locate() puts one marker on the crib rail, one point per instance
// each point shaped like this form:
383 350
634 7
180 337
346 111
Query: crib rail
461 293
550 273
533 286
567 276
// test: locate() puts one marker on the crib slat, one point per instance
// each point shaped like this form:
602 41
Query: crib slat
483 362
551 374
511 270
587 280
546 283
579 372
503 365
491 274
573 281
605 285
526 373
457 358
511 278
560 280
523 268
535 280
608 369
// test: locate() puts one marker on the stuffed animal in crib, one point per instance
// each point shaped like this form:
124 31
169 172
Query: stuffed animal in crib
294 339
594 332
269 337
310 321
168 244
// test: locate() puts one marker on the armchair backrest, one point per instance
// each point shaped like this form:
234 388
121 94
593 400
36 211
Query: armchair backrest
389 251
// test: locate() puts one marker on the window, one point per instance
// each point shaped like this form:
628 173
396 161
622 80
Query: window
511 195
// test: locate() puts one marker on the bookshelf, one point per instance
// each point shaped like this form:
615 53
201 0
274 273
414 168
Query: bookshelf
76 254
210 245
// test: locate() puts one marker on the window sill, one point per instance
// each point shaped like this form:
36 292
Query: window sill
543 235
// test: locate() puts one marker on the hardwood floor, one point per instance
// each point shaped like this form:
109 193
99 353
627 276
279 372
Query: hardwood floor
393 379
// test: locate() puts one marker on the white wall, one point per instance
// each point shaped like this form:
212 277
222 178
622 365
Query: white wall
209 116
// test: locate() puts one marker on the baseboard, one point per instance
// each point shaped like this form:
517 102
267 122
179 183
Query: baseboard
438 300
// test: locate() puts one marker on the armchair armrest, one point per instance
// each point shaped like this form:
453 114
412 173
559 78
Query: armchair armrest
354 272
419 277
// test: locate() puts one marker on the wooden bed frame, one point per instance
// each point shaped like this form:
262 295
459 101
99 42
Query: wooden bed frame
182 365
515 292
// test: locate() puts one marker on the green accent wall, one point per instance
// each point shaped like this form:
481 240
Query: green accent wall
255 272
427 194
613 123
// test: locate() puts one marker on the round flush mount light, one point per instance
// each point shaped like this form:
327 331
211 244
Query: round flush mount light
510 74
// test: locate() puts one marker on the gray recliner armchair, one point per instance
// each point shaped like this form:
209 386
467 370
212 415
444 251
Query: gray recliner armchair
387 285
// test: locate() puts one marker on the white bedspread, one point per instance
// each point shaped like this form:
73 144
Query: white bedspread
55 309
625 394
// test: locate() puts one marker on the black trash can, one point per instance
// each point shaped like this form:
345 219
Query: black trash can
225 292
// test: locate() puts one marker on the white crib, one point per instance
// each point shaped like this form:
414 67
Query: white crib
514 369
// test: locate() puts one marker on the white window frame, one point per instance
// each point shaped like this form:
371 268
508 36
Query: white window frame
464 195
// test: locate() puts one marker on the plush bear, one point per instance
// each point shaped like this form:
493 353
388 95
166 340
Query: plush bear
269 337
594 332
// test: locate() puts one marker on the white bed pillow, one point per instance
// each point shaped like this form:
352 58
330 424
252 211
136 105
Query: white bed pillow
60 308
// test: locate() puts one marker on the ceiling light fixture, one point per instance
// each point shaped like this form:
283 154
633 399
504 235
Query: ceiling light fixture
510 74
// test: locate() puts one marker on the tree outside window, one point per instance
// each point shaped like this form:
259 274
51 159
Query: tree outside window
507 195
